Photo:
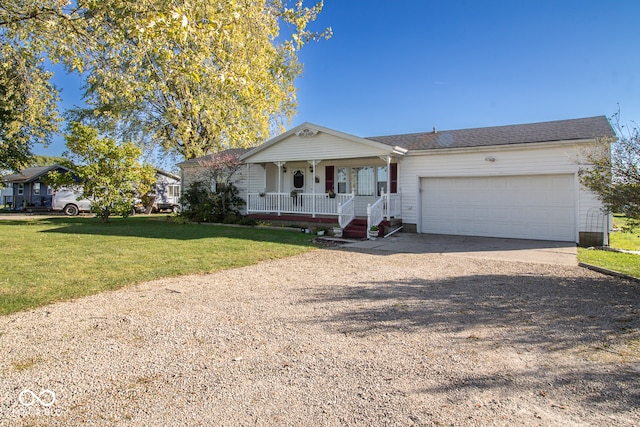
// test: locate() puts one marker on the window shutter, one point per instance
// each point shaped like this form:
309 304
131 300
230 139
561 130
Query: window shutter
393 178
328 178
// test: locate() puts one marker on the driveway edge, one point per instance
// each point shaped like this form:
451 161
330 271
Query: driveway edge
608 272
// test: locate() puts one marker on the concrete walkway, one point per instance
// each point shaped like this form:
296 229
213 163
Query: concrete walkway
535 251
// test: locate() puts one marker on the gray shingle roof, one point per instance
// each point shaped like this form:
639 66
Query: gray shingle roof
233 151
560 130
31 174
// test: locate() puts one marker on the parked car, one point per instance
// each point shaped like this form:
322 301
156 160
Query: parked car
166 207
66 200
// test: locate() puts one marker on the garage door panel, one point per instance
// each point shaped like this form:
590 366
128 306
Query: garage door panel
528 207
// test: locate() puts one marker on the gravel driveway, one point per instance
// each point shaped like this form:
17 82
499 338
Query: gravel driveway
334 337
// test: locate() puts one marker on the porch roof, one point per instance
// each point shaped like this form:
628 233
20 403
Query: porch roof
309 130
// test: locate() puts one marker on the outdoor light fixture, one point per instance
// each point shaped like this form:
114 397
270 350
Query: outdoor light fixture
284 169
311 169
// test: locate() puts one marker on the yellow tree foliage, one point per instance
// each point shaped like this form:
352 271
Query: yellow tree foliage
195 76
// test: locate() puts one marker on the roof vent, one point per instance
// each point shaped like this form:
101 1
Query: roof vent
307 132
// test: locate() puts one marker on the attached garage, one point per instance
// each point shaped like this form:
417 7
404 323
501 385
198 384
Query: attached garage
540 207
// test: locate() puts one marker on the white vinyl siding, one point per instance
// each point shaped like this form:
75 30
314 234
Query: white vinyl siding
318 147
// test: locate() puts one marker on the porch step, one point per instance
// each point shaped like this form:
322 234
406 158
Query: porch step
357 229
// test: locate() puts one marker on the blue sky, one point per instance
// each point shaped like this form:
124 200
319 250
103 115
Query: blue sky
407 66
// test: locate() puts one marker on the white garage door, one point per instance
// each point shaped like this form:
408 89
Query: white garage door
540 207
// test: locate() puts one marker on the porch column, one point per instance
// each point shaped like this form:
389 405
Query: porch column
386 208
248 187
280 165
314 164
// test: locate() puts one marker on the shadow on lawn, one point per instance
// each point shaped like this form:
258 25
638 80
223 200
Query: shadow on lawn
584 316
159 228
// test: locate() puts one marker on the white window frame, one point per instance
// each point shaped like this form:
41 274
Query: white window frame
342 186
173 190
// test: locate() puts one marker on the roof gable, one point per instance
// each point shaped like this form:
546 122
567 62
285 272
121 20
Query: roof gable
560 130
310 141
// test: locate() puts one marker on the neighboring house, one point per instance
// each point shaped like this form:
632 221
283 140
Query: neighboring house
517 181
6 196
30 192
166 191
198 169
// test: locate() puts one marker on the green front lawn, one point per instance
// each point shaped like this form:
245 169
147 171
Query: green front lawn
47 260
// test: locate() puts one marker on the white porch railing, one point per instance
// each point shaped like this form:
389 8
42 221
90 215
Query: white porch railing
386 207
394 207
375 213
347 211
300 203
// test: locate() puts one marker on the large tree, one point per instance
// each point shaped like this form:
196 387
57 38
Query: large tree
613 171
28 112
193 76
109 173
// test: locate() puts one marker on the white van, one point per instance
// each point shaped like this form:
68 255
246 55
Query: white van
66 200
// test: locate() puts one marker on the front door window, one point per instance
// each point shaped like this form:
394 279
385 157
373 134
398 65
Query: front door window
298 180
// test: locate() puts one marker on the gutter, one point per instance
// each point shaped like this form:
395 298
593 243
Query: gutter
512 146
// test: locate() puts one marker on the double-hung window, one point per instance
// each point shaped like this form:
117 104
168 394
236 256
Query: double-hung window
363 180
342 180
382 180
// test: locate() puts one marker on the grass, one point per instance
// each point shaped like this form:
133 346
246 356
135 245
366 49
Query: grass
622 240
55 259
621 262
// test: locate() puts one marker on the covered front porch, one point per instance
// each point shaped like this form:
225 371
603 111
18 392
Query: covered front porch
343 207
315 171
